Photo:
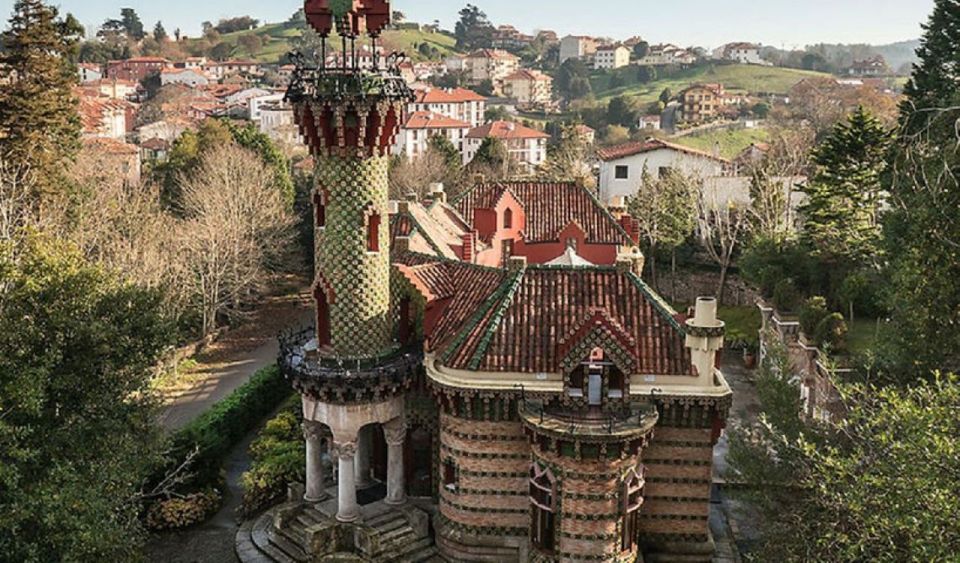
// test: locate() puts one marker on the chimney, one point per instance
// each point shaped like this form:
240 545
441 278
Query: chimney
516 263
401 244
633 261
705 338
617 206
630 225
438 193
469 246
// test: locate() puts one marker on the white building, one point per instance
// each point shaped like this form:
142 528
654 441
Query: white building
277 122
192 77
256 103
103 117
743 53
166 129
611 56
490 64
416 132
229 68
577 47
194 62
649 122
668 54
89 72
456 103
622 166
527 146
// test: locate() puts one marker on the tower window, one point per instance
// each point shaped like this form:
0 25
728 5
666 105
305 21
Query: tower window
632 500
323 316
449 475
543 501
320 210
373 233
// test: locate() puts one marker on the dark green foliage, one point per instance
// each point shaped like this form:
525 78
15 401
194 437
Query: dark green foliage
39 123
786 296
841 216
159 33
646 74
666 96
493 153
767 261
443 146
573 80
923 229
132 24
831 333
219 429
641 50
761 110
242 23
77 428
485 88
622 111
813 311
879 484
279 458
473 30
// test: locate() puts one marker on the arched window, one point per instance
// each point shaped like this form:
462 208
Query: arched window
323 300
373 232
508 219
320 210
406 327
633 484
543 501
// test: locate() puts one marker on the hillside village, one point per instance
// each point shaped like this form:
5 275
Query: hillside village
353 287
707 107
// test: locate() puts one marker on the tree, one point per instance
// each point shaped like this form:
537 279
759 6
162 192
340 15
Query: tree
641 50
251 43
646 74
875 484
771 187
622 111
568 160
666 95
231 25
398 17
841 216
237 229
492 152
132 24
445 148
923 228
721 226
485 88
77 435
39 124
159 33
665 209
573 79
473 30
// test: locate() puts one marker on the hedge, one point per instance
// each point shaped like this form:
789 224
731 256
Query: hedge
214 433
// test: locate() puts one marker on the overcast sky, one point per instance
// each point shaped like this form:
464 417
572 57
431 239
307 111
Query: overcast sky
688 22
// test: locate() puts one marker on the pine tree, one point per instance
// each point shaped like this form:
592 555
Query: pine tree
934 81
841 216
159 33
39 123
923 231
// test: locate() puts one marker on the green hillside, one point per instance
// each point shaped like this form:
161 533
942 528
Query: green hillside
731 142
734 77
277 38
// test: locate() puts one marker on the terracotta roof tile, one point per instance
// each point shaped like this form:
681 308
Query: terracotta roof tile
446 96
429 120
639 147
549 208
505 130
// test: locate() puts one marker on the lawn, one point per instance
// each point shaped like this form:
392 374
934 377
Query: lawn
735 78
731 141
862 336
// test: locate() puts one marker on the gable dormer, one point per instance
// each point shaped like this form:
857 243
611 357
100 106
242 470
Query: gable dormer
597 360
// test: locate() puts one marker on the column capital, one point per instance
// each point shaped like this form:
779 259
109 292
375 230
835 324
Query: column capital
312 430
395 432
345 450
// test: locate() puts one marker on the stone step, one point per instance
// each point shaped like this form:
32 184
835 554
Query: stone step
391 525
397 535
412 551
260 536
292 549
385 518
296 533
419 556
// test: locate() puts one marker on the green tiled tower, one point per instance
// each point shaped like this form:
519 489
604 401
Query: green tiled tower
349 117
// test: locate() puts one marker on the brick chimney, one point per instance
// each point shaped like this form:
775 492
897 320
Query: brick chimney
630 225
469 246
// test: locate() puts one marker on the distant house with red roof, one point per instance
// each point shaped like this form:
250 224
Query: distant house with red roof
89 72
490 64
456 103
622 166
416 132
529 87
528 146
104 117
137 68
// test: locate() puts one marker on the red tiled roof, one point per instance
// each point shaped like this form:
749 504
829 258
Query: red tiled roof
429 120
111 146
446 96
492 54
506 130
638 147
524 74
93 110
524 321
549 208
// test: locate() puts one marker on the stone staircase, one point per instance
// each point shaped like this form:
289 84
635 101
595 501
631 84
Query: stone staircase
299 533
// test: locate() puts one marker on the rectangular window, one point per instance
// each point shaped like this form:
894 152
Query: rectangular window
622 172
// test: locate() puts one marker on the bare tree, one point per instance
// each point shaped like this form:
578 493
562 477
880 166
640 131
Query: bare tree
721 227
236 229
17 208
414 175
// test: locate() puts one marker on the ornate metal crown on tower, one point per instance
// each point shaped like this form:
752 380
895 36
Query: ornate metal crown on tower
348 108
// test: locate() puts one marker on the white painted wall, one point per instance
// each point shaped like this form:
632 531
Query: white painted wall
689 164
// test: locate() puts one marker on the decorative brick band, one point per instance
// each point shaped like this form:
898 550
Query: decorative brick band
674 538
487 492
497 531
672 517
482 455
699 463
482 509
682 481
486 437
504 474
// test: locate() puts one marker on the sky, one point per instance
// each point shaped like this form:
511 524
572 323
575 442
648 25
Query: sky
707 23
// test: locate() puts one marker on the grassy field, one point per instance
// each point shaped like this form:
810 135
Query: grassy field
862 336
735 78
731 141
277 39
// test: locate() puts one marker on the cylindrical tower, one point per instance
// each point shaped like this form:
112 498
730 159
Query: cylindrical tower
349 116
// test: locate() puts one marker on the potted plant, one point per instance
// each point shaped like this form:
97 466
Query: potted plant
750 349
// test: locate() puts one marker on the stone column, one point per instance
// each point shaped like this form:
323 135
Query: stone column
347 508
361 463
315 490
395 433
